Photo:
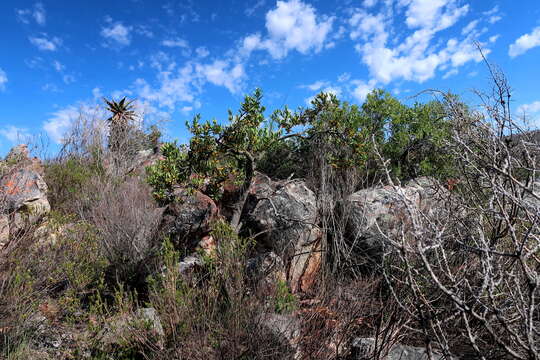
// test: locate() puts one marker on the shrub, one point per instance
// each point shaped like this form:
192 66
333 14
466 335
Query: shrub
126 219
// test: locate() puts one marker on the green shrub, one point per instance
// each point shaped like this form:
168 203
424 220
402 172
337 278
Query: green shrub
68 180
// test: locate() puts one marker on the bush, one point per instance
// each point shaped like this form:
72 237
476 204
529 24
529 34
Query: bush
214 318
126 219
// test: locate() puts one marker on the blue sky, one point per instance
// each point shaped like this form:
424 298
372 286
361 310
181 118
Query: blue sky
179 58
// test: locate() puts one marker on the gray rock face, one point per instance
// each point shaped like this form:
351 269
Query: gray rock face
383 210
189 217
23 192
286 327
265 271
363 349
285 214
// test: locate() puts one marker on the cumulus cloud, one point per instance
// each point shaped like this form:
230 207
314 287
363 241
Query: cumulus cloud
525 42
362 89
222 73
15 134
117 34
37 12
291 25
61 121
45 43
3 80
419 53
531 108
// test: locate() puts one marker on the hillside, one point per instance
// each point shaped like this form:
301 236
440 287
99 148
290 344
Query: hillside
381 231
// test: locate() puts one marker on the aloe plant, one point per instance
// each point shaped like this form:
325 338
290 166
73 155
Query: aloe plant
122 114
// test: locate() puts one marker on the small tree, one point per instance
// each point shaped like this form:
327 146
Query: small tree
218 152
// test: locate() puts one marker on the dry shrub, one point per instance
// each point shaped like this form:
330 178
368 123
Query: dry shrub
343 311
468 274
126 219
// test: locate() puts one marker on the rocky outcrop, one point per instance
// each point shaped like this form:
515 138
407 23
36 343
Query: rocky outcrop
23 192
365 348
189 217
265 271
284 214
383 211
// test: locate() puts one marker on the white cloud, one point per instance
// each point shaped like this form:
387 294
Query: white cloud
391 53
432 14
493 15
362 89
61 120
173 87
222 73
531 108
292 25
37 12
96 93
531 112
251 10
117 33
44 43
50 87
316 85
15 134
58 66
369 3
3 80
525 43
470 27
202 52
181 43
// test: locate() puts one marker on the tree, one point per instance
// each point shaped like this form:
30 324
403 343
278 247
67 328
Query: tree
218 152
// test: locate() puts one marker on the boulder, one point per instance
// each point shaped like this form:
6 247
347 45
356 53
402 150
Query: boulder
375 212
364 348
284 214
4 230
189 217
287 328
23 190
265 271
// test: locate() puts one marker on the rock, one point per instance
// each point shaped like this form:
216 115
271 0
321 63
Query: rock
207 245
189 217
383 210
362 349
286 327
142 160
285 214
265 271
23 190
4 230
125 328
17 154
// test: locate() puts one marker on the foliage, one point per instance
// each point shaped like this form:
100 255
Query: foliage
122 115
167 172
284 301
67 180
